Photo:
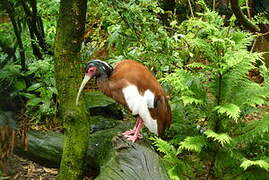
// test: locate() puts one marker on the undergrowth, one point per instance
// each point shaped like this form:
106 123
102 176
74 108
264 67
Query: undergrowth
212 91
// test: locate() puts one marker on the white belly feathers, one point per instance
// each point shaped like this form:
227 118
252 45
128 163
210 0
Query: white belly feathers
139 105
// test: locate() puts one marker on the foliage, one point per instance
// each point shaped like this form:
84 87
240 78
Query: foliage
36 85
177 167
214 84
41 93
40 90
131 30
205 61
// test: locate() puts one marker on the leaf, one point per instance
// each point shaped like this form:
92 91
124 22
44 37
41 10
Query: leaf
195 143
261 163
34 101
174 173
199 65
190 100
164 146
45 106
20 85
28 95
34 87
221 138
232 110
173 23
53 89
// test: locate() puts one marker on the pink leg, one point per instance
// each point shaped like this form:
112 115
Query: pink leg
135 133
131 131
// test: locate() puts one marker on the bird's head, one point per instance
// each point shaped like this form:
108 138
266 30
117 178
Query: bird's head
95 68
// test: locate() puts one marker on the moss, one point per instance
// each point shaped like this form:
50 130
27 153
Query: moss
69 36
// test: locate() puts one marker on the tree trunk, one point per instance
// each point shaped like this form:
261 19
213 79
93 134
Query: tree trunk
35 26
70 29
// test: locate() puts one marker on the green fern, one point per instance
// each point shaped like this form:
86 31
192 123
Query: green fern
261 163
213 89
194 144
165 147
221 138
232 110
176 168
190 100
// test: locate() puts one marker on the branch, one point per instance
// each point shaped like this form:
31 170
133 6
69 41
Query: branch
11 13
243 20
31 27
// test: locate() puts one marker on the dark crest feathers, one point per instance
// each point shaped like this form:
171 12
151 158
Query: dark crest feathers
101 65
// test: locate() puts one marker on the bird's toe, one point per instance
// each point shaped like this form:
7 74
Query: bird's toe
127 133
133 138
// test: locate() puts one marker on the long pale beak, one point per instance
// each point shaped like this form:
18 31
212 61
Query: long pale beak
84 82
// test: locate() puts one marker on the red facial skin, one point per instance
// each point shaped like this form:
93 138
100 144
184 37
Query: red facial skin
91 71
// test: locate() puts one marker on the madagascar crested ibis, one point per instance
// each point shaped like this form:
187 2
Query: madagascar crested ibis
131 84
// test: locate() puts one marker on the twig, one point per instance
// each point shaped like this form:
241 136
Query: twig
248 9
190 8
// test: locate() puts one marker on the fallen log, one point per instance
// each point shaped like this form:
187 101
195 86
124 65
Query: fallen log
46 148
107 158
133 161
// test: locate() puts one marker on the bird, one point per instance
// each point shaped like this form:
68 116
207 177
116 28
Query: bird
131 84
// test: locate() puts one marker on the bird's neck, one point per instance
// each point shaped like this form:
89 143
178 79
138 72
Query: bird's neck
104 86
102 79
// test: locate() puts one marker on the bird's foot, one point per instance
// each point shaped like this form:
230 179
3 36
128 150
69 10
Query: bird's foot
128 133
133 138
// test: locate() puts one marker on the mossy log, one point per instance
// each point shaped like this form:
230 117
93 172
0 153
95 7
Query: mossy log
46 147
108 158
134 161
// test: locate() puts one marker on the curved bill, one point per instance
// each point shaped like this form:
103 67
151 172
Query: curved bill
84 82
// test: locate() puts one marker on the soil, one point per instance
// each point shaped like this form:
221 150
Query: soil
22 169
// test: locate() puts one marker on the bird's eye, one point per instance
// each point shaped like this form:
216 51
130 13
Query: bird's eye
92 70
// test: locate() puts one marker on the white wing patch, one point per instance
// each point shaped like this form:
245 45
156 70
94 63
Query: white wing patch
149 97
139 105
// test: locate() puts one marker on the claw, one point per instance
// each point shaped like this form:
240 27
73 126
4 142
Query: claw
139 136
127 133
133 138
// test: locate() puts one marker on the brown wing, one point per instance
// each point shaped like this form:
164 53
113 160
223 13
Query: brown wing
162 112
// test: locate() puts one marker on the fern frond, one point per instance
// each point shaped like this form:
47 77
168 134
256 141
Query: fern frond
195 143
190 100
164 146
221 138
261 163
231 110
199 65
